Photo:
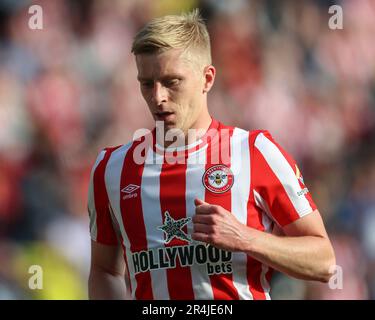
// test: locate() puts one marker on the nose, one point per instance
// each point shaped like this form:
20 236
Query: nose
159 94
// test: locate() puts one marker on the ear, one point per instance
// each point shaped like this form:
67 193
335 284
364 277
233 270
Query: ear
209 78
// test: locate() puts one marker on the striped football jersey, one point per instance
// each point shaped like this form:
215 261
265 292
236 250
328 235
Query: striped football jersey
141 196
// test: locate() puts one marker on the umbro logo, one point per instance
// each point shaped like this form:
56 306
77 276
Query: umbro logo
129 190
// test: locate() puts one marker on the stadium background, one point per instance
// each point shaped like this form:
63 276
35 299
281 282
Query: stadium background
70 89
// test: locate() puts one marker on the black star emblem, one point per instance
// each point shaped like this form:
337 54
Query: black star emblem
172 228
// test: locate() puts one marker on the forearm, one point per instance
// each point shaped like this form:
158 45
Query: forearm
106 286
305 257
305 254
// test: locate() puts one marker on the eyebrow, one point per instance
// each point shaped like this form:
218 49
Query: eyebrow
166 77
143 79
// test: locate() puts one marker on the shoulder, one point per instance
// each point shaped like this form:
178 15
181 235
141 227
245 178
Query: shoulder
240 132
105 153
253 136
261 144
108 153
259 136
111 156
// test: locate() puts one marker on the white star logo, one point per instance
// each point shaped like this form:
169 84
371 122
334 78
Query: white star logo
172 228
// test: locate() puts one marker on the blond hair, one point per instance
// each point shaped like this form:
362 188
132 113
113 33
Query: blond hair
186 31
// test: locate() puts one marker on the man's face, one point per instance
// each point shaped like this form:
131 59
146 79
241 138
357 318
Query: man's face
173 88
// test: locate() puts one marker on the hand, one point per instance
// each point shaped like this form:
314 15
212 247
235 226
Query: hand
217 226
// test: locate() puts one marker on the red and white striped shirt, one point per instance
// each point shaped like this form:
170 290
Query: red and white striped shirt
147 207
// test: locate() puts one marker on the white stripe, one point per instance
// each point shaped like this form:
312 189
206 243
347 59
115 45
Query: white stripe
152 216
91 200
284 173
198 157
194 189
240 166
264 282
268 225
113 180
267 218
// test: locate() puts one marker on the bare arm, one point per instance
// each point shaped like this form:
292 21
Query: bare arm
107 273
305 251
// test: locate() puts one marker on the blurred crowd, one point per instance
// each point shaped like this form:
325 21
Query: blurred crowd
70 89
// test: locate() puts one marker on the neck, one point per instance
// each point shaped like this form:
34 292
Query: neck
199 127
179 137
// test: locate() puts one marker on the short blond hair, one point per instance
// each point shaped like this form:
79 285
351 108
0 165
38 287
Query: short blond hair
186 31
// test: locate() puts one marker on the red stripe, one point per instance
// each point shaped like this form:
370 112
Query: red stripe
132 215
266 183
172 199
127 274
254 220
222 284
127 267
105 231
254 267
292 164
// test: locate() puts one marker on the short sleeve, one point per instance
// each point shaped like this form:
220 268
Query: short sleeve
101 223
277 182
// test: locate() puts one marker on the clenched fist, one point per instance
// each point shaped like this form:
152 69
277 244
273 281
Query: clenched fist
217 226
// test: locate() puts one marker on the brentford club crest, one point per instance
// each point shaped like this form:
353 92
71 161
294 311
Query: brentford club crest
218 179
